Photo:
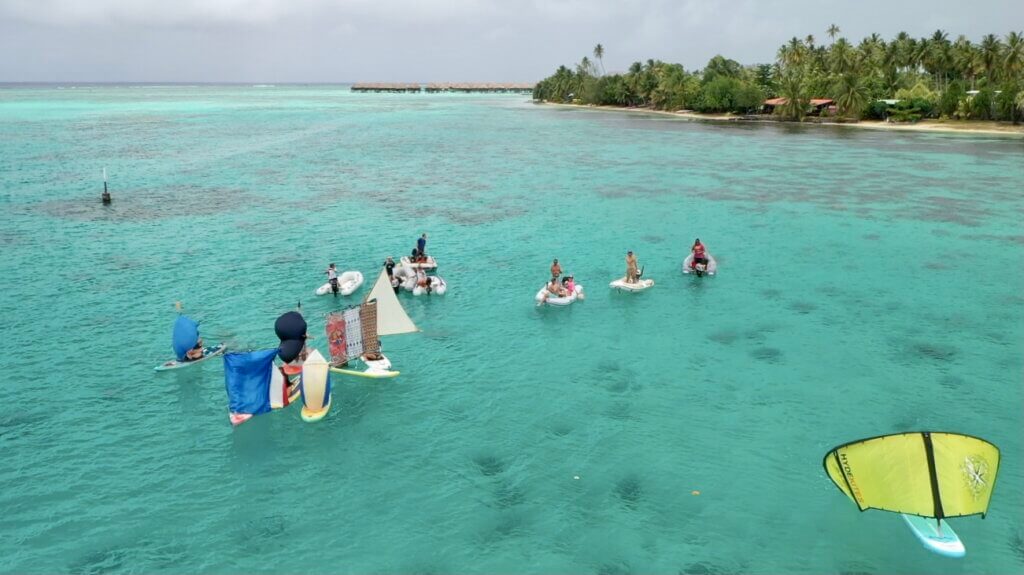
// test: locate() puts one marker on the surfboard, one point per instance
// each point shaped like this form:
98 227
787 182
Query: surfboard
310 416
208 352
371 373
936 535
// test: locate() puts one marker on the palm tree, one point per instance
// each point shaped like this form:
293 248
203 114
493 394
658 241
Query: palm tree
988 55
599 54
791 87
832 32
841 57
809 40
1013 59
853 95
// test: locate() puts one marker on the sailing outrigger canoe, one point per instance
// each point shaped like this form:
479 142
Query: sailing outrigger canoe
353 334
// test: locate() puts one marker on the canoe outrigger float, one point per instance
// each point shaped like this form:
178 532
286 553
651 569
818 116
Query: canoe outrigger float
353 334
924 476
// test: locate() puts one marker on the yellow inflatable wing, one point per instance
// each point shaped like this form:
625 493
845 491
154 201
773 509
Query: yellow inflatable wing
931 474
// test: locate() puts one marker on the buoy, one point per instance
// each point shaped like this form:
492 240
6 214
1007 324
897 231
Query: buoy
695 492
105 198
575 476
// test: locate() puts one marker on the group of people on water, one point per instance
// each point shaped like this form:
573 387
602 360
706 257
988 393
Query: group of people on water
633 270
560 287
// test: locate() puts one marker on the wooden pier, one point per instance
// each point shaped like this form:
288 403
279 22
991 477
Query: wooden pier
437 87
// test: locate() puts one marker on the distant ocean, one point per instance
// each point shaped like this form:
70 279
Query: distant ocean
869 283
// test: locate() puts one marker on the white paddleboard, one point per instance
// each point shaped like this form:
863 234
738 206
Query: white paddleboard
208 352
936 535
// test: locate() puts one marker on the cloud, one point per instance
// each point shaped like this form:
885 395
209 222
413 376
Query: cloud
427 40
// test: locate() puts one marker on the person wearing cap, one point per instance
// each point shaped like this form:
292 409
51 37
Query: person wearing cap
631 268
556 270
332 278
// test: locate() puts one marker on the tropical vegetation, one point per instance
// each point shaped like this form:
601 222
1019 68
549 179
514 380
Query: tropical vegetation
903 79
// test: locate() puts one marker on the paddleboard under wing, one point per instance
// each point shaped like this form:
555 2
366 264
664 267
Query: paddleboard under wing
927 476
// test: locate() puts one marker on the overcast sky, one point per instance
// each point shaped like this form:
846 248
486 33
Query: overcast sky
433 40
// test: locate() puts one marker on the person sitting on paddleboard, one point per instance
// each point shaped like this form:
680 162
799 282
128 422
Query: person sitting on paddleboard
196 352
699 254
556 269
632 272
332 277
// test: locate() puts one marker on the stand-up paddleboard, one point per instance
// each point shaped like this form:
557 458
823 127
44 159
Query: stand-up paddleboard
639 285
208 352
711 269
316 387
375 369
936 535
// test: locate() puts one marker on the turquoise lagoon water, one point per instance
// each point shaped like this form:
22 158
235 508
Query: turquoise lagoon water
869 283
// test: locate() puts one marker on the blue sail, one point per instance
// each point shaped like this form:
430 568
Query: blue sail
247 379
185 336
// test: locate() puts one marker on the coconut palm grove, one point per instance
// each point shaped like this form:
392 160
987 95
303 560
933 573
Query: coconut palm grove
902 79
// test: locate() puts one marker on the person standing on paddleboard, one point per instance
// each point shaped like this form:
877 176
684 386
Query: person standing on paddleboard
332 277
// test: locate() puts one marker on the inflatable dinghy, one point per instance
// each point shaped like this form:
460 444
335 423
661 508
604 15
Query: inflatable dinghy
543 296
437 286
348 282
406 277
710 270
430 264
639 285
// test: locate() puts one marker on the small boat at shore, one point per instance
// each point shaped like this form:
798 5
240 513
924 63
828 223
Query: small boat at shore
348 283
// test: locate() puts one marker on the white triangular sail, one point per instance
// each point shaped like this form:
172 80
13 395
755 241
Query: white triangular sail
391 316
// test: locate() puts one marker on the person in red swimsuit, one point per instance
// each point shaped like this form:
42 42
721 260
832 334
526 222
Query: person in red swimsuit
699 255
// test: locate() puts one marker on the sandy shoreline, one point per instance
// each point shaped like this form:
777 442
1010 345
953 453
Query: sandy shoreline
968 127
